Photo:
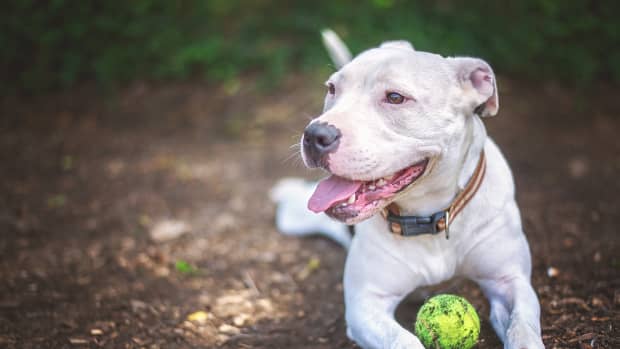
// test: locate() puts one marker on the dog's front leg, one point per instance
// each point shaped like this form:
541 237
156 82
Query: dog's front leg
501 265
371 323
374 283
515 311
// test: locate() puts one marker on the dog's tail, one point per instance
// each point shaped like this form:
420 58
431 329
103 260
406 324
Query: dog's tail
336 48
294 218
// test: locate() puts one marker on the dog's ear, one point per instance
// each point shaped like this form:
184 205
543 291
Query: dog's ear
336 48
478 83
402 44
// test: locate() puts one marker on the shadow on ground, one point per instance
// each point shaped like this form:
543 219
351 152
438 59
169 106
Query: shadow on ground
88 179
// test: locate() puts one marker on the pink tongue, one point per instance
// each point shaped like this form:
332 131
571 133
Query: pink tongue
331 190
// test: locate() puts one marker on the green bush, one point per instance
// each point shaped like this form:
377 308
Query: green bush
56 43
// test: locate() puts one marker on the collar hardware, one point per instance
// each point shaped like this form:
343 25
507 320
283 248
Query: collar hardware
415 225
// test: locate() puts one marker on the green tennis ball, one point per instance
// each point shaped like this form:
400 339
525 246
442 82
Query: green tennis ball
447 322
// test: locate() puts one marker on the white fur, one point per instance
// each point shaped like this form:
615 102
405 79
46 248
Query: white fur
486 243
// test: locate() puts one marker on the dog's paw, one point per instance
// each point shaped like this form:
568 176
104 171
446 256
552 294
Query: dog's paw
522 336
392 338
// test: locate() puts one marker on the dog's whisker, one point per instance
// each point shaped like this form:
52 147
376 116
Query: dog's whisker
292 129
308 117
295 156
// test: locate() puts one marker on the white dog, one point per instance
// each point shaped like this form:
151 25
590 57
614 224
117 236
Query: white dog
431 195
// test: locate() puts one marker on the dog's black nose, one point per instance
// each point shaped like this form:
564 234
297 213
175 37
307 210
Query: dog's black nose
320 139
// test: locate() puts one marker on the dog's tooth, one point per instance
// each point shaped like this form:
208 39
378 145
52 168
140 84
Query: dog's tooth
381 182
388 178
351 199
372 187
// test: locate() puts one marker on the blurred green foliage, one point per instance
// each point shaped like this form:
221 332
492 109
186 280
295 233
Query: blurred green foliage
55 43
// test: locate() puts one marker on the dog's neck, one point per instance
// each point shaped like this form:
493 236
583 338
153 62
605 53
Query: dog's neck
449 174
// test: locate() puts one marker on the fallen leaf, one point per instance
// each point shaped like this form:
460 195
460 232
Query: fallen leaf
57 201
184 267
313 264
144 220
67 163
198 316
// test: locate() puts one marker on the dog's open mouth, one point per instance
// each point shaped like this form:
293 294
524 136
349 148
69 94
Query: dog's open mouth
351 201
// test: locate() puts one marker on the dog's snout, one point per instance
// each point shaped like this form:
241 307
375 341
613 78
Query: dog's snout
320 139
321 136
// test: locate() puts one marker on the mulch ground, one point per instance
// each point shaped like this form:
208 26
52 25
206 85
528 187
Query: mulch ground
140 218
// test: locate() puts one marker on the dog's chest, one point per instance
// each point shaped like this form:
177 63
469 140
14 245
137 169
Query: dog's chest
432 258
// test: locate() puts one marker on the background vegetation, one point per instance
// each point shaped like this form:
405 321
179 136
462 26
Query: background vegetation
56 43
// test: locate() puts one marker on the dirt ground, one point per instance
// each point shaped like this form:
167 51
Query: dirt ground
88 178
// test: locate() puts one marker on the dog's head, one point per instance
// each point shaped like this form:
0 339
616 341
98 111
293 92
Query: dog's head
391 116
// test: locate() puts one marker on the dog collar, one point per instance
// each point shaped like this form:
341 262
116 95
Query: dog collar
438 221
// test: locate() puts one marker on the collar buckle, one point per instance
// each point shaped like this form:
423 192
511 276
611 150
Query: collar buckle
416 225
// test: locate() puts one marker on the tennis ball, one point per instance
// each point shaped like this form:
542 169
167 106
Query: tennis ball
447 322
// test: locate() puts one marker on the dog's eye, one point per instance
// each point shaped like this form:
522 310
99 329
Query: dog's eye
394 98
331 88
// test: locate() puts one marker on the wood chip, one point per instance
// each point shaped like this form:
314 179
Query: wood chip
598 302
574 301
169 229
249 282
78 341
137 305
553 272
583 337
240 319
138 341
228 329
